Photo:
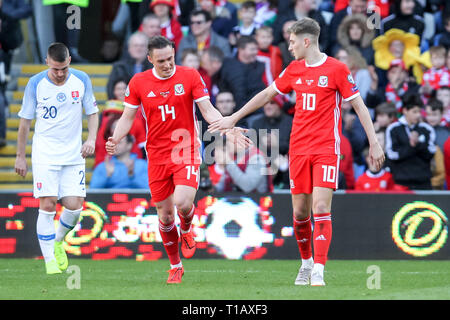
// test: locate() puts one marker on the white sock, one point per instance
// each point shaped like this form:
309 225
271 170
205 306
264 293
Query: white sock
67 221
308 262
178 265
45 228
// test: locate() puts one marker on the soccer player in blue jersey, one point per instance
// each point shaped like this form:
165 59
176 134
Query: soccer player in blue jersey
55 98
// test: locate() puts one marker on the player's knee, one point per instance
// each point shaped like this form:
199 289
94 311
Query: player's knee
183 206
301 214
321 206
48 204
73 203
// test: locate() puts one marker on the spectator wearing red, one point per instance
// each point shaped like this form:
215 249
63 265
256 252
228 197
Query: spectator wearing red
438 75
111 113
373 180
268 54
170 27
372 5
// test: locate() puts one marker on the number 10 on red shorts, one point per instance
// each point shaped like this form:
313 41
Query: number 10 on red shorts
317 170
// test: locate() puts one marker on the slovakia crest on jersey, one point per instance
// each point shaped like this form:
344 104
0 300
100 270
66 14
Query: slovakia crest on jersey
179 89
75 95
61 97
39 185
323 81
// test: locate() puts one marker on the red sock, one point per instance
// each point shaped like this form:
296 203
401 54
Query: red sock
302 230
169 235
322 236
186 219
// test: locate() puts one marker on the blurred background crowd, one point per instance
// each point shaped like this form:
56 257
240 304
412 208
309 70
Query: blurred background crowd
397 51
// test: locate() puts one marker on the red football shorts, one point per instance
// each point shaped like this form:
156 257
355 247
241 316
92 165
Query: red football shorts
317 170
162 179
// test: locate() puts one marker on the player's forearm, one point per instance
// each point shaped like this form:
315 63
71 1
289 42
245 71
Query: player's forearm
365 119
92 126
209 113
22 137
124 125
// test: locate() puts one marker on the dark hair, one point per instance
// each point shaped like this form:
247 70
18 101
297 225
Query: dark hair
248 5
445 17
244 41
386 108
444 88
58 52
411 100
159 42
198 12
435 104
108 126
215 53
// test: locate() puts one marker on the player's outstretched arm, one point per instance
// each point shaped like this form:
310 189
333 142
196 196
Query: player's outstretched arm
88 147
376 153
122 128
211 115
254 104
20 166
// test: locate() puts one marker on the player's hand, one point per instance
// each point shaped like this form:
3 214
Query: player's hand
237 136
21 166
111 145
88 148
376 156
222 125
413 138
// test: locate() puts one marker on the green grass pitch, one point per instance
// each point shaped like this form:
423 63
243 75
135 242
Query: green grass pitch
225 280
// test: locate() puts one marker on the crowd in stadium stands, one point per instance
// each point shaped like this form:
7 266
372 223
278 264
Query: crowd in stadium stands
11 12
398 53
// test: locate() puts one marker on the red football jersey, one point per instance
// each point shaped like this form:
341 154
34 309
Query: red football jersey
319 91
437 78
380 181
169 111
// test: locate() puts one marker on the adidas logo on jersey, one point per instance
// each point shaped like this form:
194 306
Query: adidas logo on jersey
151 94
299 81
321 237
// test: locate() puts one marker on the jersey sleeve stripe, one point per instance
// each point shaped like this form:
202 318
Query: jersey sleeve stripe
201 99
352 97
126 104
276 89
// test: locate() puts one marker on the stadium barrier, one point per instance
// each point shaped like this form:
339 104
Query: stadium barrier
123 224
